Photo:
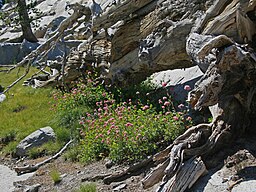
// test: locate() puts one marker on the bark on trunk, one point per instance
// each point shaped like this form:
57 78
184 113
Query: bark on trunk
25 22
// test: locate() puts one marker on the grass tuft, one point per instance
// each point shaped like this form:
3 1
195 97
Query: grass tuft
90 187
55 175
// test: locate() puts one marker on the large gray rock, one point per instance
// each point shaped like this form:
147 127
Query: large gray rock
239 167
9 53
177 79
9 177
35 139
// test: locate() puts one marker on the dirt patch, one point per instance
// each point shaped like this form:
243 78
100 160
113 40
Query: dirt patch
76 174
238 168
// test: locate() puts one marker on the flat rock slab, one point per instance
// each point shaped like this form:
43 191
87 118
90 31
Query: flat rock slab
8 177
245 186
177 79
223 178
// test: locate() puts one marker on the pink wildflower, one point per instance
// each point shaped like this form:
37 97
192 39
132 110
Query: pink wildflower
175 118
74 91
166 103
164 98
187 88
128 124
145 107
138 136
160 101
180 106
189 118
164 84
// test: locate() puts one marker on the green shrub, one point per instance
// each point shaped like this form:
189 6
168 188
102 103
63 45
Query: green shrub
63 134
10 148
8 136
49 148
125 124
128 132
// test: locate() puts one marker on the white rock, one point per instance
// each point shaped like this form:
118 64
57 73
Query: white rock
2 97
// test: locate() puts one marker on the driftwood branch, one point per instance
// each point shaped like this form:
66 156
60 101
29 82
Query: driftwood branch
32 168
79 11
19 79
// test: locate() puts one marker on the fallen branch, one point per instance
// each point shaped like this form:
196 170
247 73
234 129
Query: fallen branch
135 169
19 79
32 168
79 11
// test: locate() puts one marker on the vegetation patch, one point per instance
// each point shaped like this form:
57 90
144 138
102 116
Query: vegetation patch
24 111
125 125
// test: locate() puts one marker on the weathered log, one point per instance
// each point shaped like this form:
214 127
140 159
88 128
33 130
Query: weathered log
187 175
135 169
32 168
228 83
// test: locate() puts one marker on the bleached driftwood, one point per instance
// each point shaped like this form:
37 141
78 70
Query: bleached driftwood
32 168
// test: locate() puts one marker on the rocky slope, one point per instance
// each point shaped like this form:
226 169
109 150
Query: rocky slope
129 40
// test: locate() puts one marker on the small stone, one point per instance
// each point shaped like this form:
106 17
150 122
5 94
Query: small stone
120 187
33 188
109 164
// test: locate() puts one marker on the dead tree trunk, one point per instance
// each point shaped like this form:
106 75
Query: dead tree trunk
221 44
25 22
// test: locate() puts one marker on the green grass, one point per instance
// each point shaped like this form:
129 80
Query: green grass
90 187
55 175
25 109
